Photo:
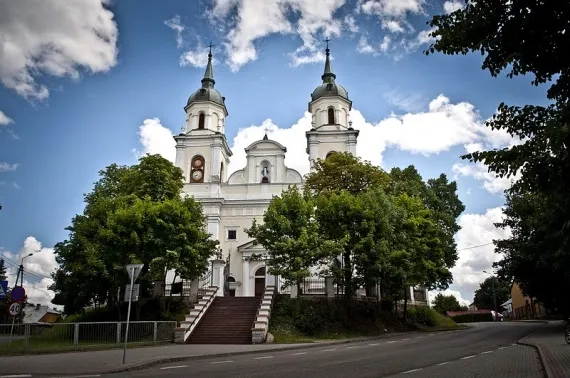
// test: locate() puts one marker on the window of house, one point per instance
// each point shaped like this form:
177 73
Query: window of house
232 234
201 120
331 116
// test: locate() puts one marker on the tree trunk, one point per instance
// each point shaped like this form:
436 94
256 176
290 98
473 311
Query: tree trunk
170 297
347 276
405 302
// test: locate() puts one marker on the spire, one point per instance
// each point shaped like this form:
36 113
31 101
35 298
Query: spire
328 75
208 80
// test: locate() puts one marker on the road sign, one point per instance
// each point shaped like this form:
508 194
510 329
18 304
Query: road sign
18 294
135 292
15 308
3 289
137 270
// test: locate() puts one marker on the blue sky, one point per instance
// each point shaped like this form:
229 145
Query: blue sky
89 84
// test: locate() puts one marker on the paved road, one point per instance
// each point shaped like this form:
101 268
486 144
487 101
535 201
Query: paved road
485 350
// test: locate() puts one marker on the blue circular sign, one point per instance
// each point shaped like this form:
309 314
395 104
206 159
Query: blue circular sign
18 294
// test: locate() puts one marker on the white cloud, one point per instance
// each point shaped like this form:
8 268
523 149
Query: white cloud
37 270
56 38
7 167
477 231
156 139
175 24
452 5
4 119
462 301
491 182
392 13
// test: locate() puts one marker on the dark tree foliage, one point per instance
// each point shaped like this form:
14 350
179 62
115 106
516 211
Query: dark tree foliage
525 38
490 289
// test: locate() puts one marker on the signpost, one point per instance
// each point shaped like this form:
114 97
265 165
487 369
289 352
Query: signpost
134 270
18 294
3 289
15 309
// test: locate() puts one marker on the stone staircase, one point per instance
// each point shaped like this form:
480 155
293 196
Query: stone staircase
228 320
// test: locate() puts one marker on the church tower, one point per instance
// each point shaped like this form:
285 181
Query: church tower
202 150
331 128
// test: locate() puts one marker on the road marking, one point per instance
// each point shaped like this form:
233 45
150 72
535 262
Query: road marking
263 357
16 376
468 357
76 376
374 344
418 337
298 354
502 348
352 347
443 363
220 362
411 371
173 367
487 352
329 350
405 339
432 334
390 342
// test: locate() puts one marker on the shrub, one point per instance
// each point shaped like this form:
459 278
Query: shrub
428 317
472 318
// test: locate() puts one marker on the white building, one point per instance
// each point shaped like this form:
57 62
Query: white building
232 202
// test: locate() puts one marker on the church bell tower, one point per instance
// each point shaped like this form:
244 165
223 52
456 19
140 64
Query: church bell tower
331 128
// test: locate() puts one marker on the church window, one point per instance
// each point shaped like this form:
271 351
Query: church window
197 169
201 120
331 116
260 272
232 234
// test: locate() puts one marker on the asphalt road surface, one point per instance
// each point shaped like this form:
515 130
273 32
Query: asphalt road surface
486 350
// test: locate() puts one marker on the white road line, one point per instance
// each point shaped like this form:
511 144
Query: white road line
76 376
405 339
263 358
173 367
432 334
298 354
390 342
329 350
411 371
418 337
468 357
16 376
443 363
352 347
221 362
502 348
487 352
374 344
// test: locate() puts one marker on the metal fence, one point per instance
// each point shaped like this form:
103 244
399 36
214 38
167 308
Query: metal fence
45 338
177 289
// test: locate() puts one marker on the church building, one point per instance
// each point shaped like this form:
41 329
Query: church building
232 201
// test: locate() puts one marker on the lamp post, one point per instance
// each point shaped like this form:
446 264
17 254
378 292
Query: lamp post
20 275
493 288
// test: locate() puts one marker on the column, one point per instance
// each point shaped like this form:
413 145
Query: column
214 226
218 276
245 278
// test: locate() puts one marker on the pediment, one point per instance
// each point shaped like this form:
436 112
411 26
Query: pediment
251 247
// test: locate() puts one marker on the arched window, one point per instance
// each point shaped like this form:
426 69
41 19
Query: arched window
201 120
197 169
331 116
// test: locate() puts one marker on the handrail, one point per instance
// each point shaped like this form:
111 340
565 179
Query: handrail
259 306
203 307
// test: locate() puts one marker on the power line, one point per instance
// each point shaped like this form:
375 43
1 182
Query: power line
475 246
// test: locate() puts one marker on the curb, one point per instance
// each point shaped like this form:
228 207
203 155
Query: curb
147 364
541 355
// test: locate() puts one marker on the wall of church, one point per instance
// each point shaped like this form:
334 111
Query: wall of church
320 107
214 116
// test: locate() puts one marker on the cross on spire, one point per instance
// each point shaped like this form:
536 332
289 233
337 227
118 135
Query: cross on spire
327 41
210 46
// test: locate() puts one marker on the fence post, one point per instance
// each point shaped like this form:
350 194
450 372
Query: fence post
76 334
155 333
26 337
118 333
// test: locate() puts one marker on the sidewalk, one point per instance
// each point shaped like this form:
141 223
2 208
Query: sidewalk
107 361
553 350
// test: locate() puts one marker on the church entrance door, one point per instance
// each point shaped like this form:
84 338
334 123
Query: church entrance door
260 282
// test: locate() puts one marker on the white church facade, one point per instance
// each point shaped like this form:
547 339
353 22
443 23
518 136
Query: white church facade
232 201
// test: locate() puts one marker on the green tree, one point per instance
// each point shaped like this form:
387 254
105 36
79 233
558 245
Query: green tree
289 233
344 171
130 217
442 303
2 270
525 38
488 289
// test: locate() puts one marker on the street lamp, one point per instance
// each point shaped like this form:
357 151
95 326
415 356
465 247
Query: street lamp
21 271
493 288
